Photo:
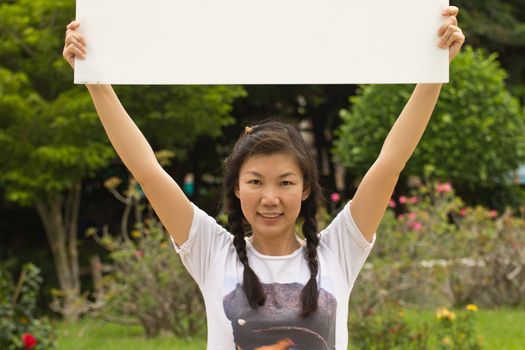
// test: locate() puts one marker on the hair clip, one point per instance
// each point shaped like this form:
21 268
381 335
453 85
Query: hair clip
248 130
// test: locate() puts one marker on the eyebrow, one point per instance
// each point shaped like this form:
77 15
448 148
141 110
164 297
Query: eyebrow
259 175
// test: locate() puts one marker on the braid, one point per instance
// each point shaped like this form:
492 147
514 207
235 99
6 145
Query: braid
251 284
267 138
310 293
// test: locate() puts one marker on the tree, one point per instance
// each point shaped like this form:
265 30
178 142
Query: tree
475 139
51 138
498 26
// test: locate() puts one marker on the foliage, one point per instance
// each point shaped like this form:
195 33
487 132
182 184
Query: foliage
494 273
20 326
474 109
497 26
457 332
386 328
150 285
440 252
173 117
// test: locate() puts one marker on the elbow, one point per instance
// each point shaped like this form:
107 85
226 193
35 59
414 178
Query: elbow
391 166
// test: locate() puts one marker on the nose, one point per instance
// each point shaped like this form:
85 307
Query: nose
270 196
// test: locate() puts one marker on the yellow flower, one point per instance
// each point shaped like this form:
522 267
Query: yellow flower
136 234
402 313
23 320
471 307
441 313
164 245
445 341
445 314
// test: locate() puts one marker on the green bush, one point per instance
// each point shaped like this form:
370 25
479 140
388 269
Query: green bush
149 284
386 328
475 139
20 326
441 252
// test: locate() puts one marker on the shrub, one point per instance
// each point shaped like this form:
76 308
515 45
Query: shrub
149 284
493 272
20 326
440 252
474 109
386 328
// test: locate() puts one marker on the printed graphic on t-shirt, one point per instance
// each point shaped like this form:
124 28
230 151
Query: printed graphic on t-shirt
278 324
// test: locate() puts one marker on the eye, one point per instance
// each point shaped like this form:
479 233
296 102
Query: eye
254 182
287 183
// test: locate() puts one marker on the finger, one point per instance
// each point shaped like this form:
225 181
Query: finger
457 38
445 37
452 20
74 41
73 51
450 11
73 25
75 38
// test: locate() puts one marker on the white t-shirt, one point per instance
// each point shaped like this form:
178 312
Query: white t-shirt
210 257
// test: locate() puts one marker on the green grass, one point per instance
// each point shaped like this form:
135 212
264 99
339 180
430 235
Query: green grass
89 334
502 330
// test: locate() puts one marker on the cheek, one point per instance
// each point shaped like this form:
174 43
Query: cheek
248 201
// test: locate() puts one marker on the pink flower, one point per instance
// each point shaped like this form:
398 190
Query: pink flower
400 217
392 203
411 216
412 200
29 341
492 214
335 197
416 226
403 199
463 211
139 253
446 187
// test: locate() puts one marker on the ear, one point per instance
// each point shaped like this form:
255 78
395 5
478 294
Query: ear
305 195
236 191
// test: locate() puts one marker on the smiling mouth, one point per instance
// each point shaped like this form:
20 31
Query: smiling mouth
270 217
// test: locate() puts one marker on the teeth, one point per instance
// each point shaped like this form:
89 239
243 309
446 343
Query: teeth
270 216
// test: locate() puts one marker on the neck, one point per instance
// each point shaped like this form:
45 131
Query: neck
276 246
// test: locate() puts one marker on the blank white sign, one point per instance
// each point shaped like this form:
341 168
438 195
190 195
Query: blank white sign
261 41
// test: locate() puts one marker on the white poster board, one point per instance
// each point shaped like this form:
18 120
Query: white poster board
261 41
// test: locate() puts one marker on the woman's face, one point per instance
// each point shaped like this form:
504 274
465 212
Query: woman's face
271 190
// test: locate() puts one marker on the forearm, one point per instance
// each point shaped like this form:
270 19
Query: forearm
410 126
129 142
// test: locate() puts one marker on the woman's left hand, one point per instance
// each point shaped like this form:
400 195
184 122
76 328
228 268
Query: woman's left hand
450 34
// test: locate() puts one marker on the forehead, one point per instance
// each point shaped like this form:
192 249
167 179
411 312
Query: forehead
270 165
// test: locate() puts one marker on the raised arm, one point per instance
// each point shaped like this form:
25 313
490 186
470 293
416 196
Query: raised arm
166 197
371 199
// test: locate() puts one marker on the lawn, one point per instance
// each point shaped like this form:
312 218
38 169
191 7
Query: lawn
501 329
89 334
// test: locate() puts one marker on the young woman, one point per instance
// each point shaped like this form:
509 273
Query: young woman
264 287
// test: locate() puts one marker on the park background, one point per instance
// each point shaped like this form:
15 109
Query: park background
84 263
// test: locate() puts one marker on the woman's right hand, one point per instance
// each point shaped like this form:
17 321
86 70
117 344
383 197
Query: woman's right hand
75 44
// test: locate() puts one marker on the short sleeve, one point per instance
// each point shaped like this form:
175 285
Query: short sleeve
205 240
344 239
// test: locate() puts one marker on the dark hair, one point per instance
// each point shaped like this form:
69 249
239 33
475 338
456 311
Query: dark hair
270 137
